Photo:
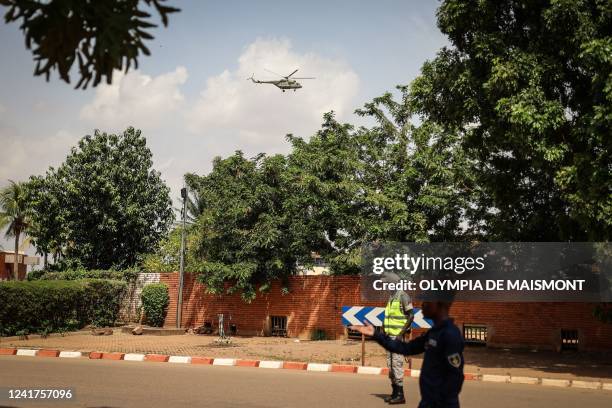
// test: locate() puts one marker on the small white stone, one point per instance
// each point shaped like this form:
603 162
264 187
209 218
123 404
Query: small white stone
369 370
551 382
524 380
318 367
26 352
180 359
270 364
224 361
496 378
134 357
70 354
586 384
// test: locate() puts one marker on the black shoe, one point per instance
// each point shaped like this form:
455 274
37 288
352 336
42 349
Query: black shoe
393 394
399 397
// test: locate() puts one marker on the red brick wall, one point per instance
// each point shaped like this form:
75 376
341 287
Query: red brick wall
315 302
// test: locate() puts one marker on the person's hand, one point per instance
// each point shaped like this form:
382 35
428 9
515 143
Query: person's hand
368 329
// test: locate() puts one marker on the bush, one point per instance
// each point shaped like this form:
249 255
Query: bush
36 274
104 300
58 305
128 275
154 303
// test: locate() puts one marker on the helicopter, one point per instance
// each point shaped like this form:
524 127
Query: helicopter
283 84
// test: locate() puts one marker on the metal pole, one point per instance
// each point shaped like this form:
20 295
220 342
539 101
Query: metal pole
362 349
179 307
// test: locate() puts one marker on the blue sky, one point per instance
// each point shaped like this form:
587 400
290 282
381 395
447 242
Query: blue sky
190 98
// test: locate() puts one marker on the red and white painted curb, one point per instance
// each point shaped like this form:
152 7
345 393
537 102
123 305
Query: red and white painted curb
294 365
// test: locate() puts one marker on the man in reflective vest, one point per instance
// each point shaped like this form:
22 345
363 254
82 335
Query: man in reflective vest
398 318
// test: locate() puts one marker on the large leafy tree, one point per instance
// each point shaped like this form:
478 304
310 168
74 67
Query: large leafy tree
112 206
415 179
14 216
528 87
100 36
322 194
343 187
390 182
243 232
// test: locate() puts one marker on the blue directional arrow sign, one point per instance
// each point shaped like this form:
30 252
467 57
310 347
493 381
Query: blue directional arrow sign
358 315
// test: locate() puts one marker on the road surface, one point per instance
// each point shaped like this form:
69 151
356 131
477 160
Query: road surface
103 383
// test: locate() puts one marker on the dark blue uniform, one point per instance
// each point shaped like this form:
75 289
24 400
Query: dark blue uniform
441 375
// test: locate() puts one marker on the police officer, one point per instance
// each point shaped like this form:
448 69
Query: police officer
398 317
441 375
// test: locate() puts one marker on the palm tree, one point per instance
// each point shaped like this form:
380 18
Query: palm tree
13 215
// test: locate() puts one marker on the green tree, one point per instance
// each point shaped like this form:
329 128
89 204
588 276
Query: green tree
416 178
14 216
113 206
323 185
243 233
528 88
343 187
100 36
48 228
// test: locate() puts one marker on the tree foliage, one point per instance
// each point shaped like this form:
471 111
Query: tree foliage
104 206
49 230
243 234
262 217
528 87
100 36
14 216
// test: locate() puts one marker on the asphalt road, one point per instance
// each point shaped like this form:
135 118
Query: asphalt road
101 383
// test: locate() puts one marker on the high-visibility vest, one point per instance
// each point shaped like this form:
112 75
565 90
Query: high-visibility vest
394 318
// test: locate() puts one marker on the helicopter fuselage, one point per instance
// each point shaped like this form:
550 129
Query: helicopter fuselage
282 84
288 84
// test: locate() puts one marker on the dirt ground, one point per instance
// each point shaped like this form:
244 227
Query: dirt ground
576 365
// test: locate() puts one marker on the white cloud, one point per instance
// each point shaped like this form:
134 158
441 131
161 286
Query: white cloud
229 113
239 114
32 155
135 99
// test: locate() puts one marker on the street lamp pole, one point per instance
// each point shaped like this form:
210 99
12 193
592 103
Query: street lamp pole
179 307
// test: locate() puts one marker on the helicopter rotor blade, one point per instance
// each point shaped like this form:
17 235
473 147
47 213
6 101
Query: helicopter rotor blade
275 73
292 73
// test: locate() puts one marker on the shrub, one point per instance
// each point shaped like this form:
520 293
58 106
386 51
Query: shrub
58 305
154 303
104 299
36 274
127 275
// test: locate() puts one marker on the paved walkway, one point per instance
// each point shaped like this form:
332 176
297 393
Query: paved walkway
583 366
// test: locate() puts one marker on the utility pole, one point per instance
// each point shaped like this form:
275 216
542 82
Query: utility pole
179 307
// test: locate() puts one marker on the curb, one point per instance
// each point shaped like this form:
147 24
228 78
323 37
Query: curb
301 366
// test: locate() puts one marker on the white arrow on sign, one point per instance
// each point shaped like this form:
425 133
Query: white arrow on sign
372 316
350 315
420 321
